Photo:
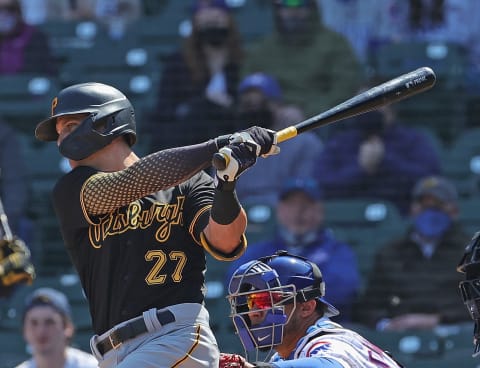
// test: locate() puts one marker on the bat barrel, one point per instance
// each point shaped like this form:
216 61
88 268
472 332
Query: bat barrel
394 90
386 93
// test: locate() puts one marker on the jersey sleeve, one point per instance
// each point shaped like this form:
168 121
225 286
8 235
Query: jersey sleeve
199 193
348 350
198 204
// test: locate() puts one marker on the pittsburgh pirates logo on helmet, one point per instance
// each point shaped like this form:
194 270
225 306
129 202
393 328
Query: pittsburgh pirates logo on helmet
54 105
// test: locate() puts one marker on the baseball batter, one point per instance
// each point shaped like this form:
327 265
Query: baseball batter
137 228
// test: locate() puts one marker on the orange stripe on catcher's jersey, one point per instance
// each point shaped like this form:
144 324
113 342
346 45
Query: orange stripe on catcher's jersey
189 352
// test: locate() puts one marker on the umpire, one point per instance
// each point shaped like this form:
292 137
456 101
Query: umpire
137 228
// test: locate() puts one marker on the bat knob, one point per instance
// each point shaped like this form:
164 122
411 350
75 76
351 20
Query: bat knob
219 161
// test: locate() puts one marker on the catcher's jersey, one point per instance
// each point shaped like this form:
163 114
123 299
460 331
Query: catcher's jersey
144 255
327 339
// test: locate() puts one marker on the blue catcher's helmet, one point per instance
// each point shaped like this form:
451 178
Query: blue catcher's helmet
110 115
263 287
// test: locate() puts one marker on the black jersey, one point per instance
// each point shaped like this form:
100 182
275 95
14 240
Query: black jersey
144 255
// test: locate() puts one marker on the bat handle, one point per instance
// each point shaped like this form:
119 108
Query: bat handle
220 161
285 134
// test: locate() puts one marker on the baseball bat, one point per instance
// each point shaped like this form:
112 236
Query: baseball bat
7 232
394 90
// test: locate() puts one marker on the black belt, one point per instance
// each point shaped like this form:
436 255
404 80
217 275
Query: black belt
130 330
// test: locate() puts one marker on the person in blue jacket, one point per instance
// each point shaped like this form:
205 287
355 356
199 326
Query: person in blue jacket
376 157
300 229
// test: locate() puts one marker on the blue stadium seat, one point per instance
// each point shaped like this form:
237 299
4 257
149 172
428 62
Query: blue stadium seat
461 163
25 99
365 225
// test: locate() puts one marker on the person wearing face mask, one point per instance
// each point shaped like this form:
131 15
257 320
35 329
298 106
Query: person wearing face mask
23 48
300 229
198 89
316 66
260 100
375 156
411 268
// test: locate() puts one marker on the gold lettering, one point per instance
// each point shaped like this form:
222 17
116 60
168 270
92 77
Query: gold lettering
54 105
163 215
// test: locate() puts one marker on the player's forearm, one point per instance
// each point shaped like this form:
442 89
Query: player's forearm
226 237
155 172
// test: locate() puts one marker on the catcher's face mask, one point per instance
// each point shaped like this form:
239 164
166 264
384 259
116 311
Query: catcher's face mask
257 303
470 291
470 288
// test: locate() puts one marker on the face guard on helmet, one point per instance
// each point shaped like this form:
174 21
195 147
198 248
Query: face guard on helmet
470 288
110 115
260 289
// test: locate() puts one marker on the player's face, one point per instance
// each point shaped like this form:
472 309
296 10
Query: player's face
299 214
45 330
67 124
211 17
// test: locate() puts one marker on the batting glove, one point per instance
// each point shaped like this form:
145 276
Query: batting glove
222 141
264 140
239 157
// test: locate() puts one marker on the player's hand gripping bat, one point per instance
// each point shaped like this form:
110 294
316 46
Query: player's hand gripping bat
394 90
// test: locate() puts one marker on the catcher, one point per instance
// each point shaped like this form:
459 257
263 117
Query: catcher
278 306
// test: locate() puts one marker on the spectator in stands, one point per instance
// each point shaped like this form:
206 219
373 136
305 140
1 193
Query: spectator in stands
454 21
409 270
199 82
376 157
48 329
23 48
354 19
260 101
300 230
115 15
428 20
316 67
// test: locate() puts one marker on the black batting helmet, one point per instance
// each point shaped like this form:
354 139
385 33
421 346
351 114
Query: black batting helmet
110 115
